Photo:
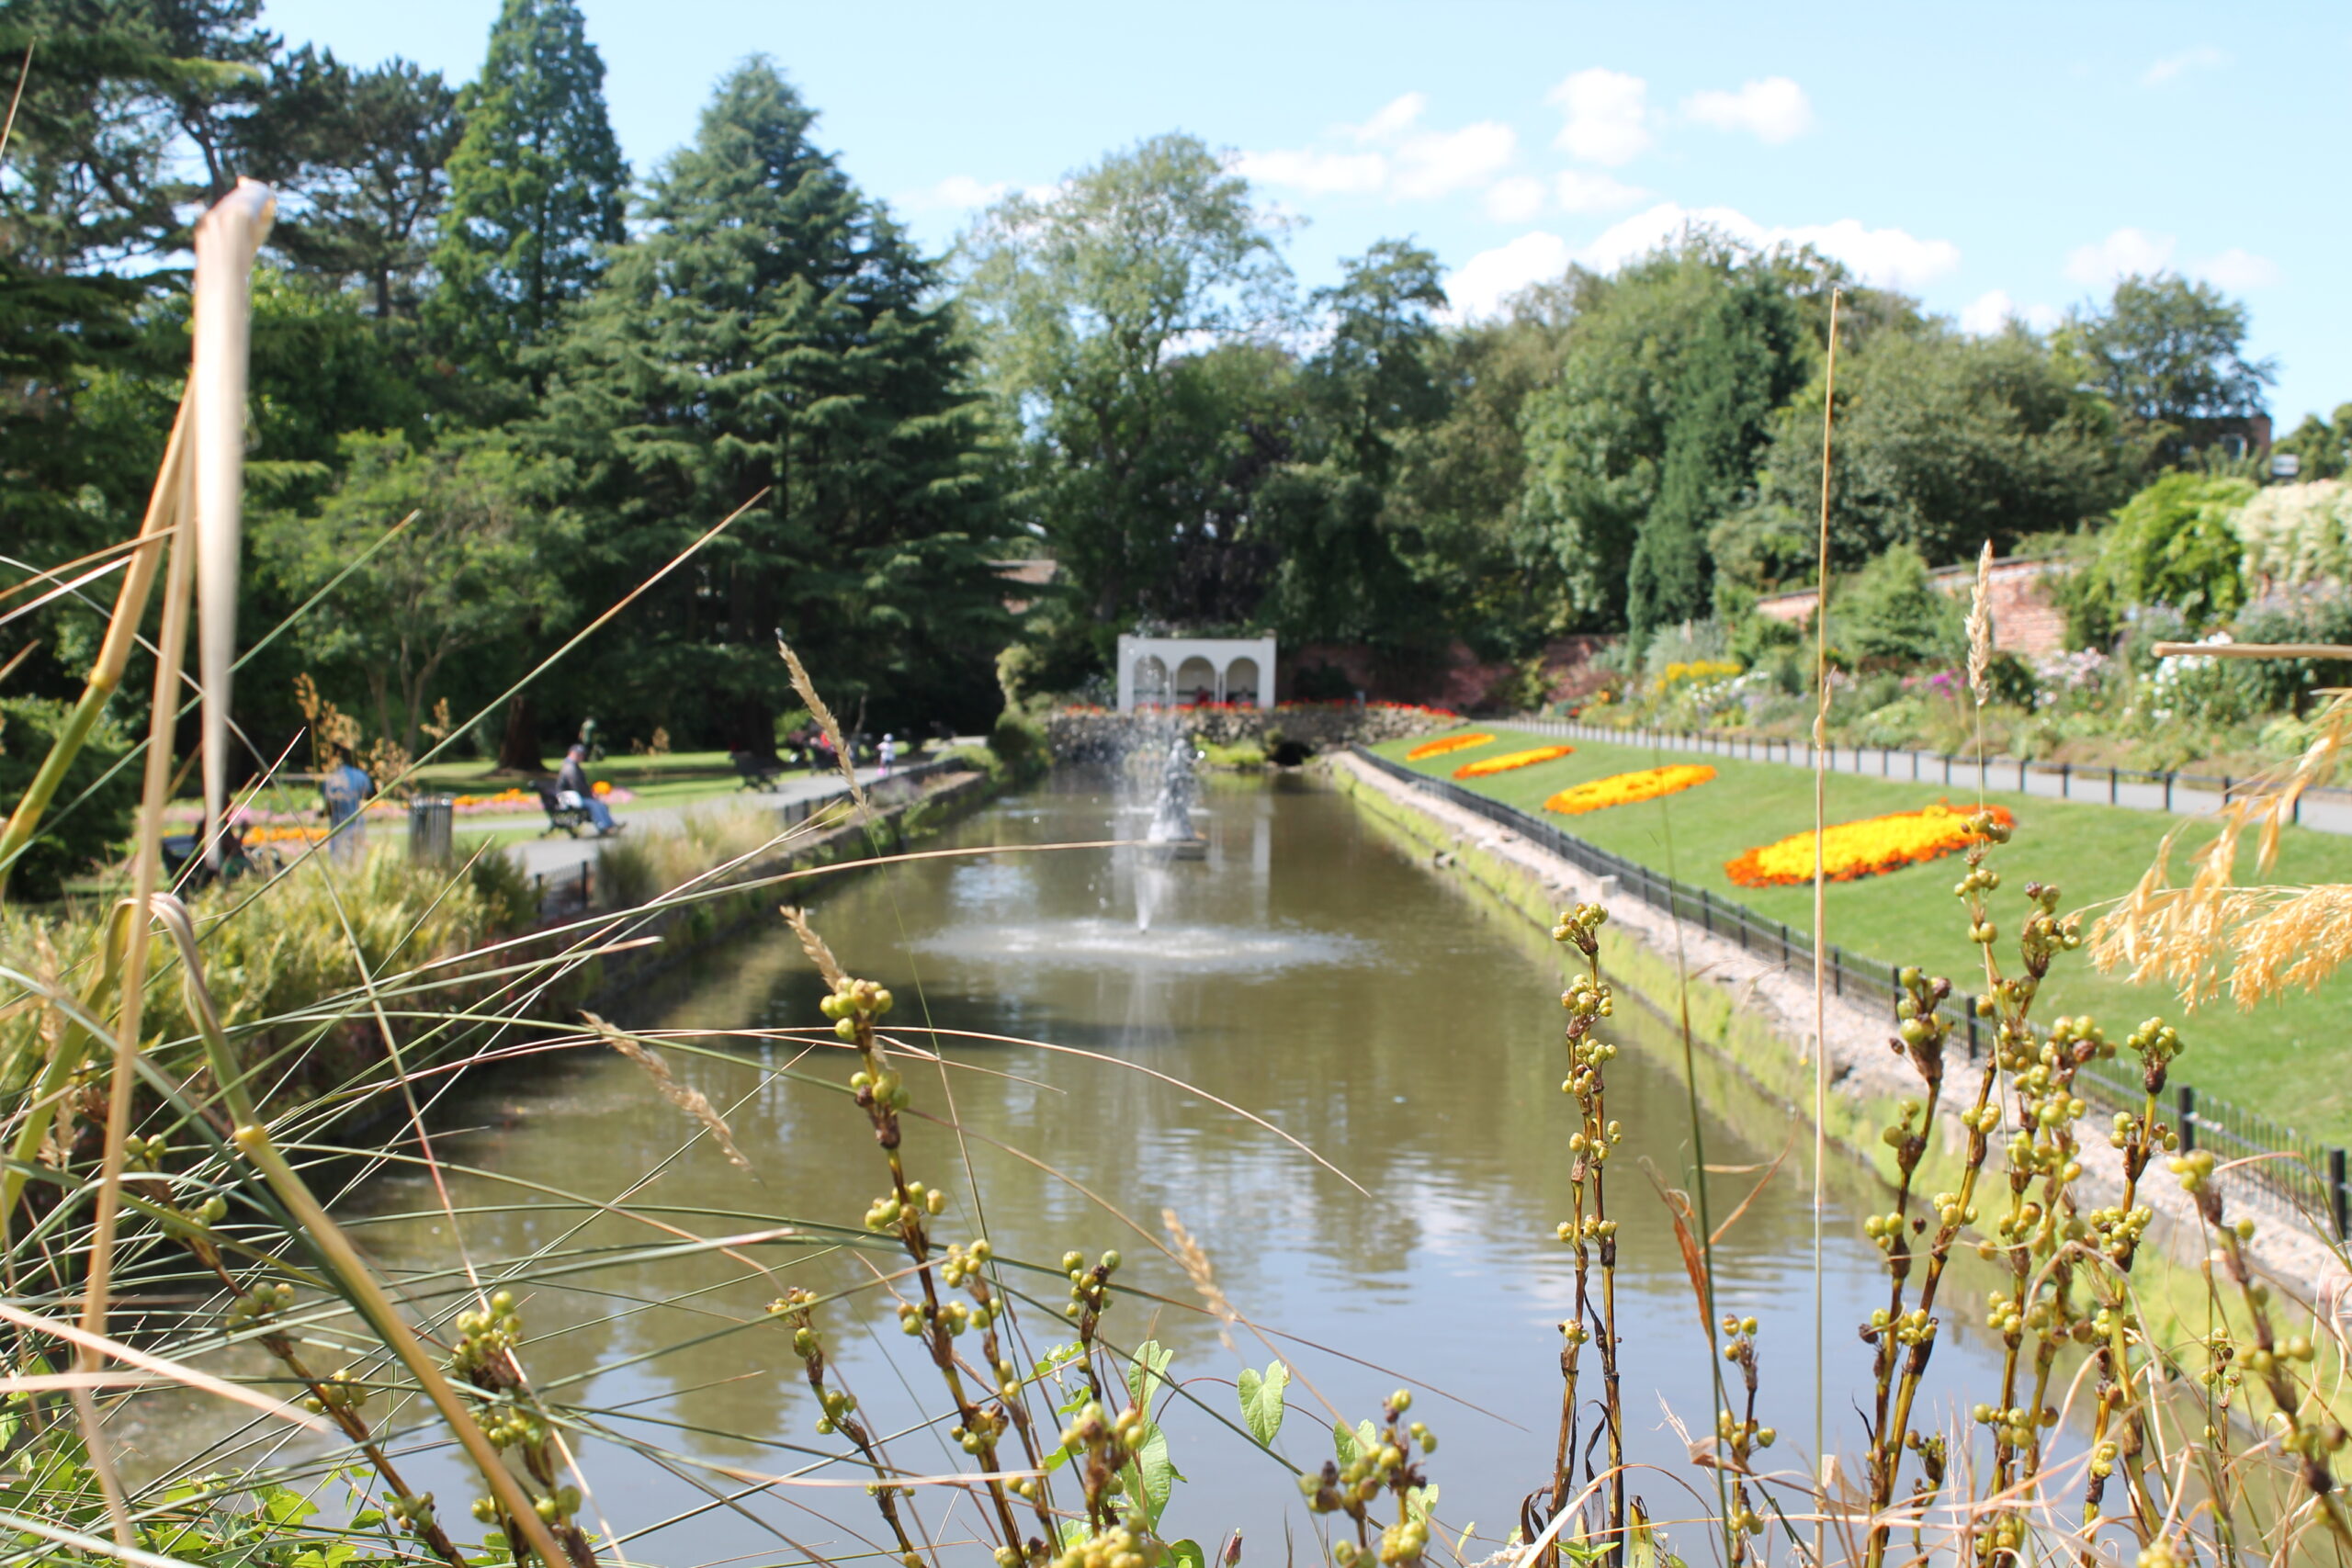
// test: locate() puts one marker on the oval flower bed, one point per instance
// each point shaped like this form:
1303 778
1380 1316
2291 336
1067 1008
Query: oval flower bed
1853 850
1510 760
1444 744
1626 789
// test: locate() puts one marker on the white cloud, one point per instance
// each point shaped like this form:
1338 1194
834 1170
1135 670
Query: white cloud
1773 109
1320 173
2235 268
960 192
1397 160
1480 285
1516 199
2120 255
2205 57
1991 312
1608 116
1889 258
1988 313
1435 163
1394 119
1579 190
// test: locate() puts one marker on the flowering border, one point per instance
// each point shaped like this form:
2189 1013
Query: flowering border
1445 744
1851 851
1510 760
1629 789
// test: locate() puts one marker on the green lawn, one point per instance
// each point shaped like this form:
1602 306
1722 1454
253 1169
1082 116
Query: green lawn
2286 1060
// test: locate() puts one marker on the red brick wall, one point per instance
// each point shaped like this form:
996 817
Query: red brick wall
2026 621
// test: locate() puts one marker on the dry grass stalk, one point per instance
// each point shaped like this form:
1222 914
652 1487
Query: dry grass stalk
814 946
1204 1276
2272 937
824 718
693 1101
1980 629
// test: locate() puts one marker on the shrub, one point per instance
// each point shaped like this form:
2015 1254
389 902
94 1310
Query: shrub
1893 614
71 841
2174 543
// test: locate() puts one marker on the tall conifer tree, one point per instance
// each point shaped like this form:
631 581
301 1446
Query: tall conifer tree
772 335
536 191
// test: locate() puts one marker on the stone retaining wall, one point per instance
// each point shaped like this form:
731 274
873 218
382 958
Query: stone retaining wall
1083 735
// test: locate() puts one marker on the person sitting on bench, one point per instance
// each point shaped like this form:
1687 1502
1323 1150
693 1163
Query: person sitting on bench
572 781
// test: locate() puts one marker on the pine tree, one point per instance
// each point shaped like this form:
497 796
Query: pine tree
536 192
770 336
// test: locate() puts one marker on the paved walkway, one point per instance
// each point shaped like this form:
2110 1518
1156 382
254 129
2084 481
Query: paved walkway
2181 795
558 854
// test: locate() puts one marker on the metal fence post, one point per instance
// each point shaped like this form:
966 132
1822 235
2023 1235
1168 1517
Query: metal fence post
2188 1107
1895 985
2339 1192
2113 776
1970 1003
2167 789
2021 775
1784 941
2065 781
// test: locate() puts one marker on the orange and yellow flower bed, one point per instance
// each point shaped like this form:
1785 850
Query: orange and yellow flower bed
1510 760
1445 744
1853 850
1626 789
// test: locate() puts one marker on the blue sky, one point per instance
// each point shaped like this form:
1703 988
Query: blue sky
1989 159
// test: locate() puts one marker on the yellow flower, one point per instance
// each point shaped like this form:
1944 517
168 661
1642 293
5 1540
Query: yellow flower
1624 789
1510 760
1852 850
1444 744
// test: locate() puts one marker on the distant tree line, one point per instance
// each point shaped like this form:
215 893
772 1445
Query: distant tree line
472 311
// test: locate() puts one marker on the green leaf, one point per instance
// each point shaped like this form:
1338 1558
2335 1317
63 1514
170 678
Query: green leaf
1344 1443
1420 1503
1145 1373
1188 1554
1261 1402
1462 1547
1150 1476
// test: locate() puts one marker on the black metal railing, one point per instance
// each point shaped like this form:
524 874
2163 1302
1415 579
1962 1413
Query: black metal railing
2302 1170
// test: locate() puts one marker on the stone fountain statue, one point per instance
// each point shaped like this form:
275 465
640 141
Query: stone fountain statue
1171 829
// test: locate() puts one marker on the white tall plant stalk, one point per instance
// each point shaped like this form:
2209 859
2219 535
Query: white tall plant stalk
227 239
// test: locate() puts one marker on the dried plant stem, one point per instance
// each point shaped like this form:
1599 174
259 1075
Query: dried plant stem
146 867
1821 917
1588 1229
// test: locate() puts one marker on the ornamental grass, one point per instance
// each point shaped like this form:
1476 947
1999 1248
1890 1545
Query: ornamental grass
1446 745
1512 760
1854 850
1628 789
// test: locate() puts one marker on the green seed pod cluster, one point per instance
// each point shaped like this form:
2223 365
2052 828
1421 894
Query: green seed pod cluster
1125 1545
144 1154
1088 1288
854 1003
486 1339
963 1263
339 1392
261 1304
1580 928
1387 1463
413 1514
2195 1170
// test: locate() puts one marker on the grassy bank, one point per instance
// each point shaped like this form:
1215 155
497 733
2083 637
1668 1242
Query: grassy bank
2284 1059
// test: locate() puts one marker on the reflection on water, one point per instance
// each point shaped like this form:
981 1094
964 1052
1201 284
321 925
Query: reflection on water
1308 971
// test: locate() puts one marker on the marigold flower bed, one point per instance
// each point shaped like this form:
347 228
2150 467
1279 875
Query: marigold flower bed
1627 789
1444 744
1510 760
1851 851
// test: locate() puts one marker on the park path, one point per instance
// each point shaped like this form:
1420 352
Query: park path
558 854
